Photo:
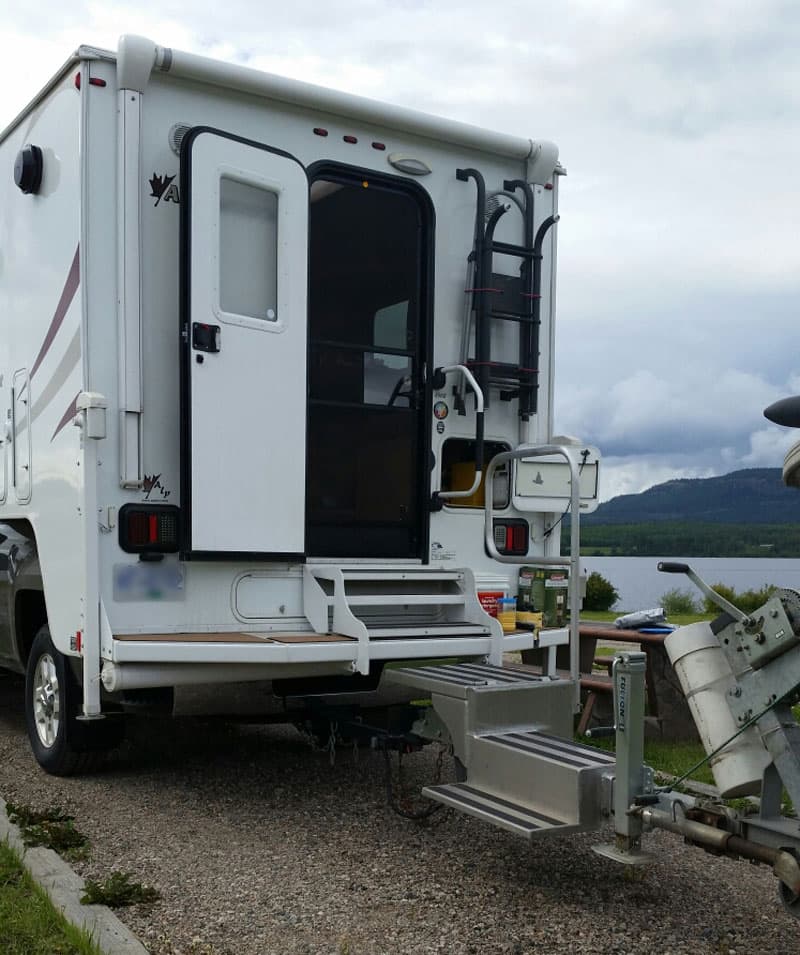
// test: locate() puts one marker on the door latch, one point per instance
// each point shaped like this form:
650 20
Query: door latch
205 337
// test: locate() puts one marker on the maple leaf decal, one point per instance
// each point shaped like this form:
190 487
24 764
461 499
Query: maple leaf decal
158 186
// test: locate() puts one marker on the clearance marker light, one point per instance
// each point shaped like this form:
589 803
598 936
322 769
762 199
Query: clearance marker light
93 81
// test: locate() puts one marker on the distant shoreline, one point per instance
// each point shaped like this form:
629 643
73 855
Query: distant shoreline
687 539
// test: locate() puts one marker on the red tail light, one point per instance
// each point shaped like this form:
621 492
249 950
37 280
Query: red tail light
511 537
149 528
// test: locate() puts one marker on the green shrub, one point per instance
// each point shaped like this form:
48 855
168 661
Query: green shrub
747 601
53 829
677 602
118 890
600 593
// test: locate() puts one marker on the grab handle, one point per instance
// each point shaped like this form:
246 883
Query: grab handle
439 377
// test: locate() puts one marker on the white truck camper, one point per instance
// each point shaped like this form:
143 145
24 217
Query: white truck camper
276 366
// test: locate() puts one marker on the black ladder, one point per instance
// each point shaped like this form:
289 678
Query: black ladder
497 296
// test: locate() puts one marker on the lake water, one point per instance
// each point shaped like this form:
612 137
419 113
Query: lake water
640 585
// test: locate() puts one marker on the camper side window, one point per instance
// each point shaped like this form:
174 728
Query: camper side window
248 250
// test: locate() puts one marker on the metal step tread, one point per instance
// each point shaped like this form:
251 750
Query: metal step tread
327 571
397 631
457 678
412 599
554 748
521 820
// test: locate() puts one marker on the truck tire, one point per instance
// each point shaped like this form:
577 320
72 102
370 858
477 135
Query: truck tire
62 745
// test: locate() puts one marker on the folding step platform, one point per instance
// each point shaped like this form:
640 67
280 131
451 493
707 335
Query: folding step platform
511 729
381 605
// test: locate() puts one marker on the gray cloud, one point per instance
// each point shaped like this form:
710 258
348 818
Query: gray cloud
679 260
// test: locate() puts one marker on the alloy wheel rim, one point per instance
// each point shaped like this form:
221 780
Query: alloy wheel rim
46 700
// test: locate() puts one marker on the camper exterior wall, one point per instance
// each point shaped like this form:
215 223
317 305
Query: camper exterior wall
43 364
219 596
74 521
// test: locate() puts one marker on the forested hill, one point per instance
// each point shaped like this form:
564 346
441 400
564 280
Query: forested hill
744 514
752 496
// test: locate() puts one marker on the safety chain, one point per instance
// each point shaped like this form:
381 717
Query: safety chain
400 797
330 744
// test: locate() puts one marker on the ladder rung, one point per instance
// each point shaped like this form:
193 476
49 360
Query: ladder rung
523 319
503 370
507 248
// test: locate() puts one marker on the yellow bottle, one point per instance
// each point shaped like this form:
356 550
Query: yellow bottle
507 613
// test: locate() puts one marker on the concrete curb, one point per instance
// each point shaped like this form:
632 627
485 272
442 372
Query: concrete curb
65 888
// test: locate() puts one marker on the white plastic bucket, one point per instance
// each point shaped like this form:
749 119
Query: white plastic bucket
706 678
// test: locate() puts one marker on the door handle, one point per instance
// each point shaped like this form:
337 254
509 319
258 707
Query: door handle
205 337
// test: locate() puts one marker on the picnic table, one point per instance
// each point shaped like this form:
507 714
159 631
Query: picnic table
668 714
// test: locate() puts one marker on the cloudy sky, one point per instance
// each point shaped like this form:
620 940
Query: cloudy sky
679 124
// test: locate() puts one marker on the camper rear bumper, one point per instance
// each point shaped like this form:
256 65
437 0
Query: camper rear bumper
276 649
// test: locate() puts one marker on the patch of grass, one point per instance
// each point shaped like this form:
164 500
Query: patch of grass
29 925
677 758
666 757
53 828
117 891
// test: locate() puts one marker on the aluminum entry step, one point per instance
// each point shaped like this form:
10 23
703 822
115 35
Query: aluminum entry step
497 811
553 748
456 678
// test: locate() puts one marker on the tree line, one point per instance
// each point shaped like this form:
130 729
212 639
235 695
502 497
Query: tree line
687 539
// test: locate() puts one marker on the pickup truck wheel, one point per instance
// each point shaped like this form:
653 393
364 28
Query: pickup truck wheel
61 744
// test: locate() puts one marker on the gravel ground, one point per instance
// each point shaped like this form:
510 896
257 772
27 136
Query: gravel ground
259 846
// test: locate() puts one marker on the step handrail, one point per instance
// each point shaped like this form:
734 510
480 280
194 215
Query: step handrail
471 381
574 559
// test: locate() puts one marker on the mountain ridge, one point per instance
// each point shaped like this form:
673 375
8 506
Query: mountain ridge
746 496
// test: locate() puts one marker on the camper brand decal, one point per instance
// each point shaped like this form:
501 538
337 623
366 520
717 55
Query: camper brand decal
153 487
163 187
441 552
440 410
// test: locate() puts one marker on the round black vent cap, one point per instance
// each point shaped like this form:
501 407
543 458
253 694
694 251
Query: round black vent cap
28 168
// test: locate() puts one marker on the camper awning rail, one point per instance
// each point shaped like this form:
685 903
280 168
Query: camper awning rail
190 66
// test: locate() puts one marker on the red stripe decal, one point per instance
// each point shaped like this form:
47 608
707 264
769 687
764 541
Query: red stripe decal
69 414
67 295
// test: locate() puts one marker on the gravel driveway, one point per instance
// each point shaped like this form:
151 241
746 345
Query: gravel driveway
259 846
